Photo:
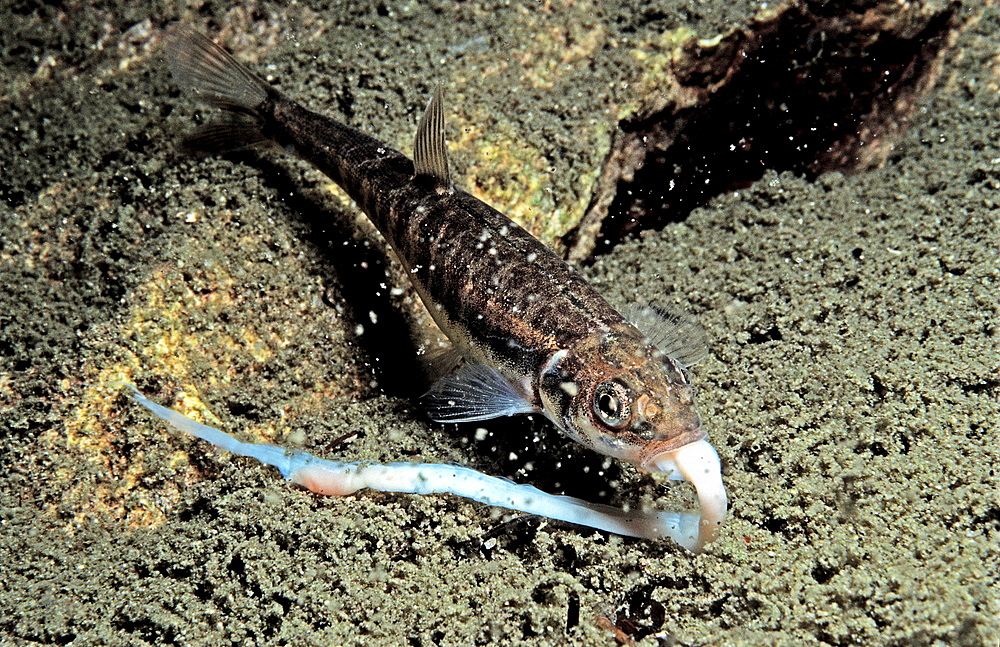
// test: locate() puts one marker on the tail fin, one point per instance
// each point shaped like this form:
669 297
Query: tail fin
219 79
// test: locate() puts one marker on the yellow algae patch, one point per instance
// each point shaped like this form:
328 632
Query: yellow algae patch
170 331
185 321
256 346
93 435
223 317
190 405
656 61
512 176
551 38
96 478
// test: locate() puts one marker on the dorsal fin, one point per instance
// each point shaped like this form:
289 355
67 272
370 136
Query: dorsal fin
430 156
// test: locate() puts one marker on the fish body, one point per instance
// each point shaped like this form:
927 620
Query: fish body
535 335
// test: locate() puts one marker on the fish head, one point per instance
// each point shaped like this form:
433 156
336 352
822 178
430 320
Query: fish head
621 396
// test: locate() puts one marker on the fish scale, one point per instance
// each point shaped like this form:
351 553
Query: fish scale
429 229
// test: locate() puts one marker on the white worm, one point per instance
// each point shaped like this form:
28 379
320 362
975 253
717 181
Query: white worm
322 476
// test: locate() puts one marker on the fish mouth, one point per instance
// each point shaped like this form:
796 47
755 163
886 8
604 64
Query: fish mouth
697 463
643 457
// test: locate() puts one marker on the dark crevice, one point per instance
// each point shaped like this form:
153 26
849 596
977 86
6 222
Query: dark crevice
814 88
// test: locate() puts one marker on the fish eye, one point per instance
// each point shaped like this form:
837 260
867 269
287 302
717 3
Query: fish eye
611 404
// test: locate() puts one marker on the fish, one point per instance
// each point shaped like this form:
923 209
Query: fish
535 337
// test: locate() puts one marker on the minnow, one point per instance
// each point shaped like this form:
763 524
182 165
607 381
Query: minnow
535 336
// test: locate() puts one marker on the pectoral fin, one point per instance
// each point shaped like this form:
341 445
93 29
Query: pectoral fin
679 336
475 392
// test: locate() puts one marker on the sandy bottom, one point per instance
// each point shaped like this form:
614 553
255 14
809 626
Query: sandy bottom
851 389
